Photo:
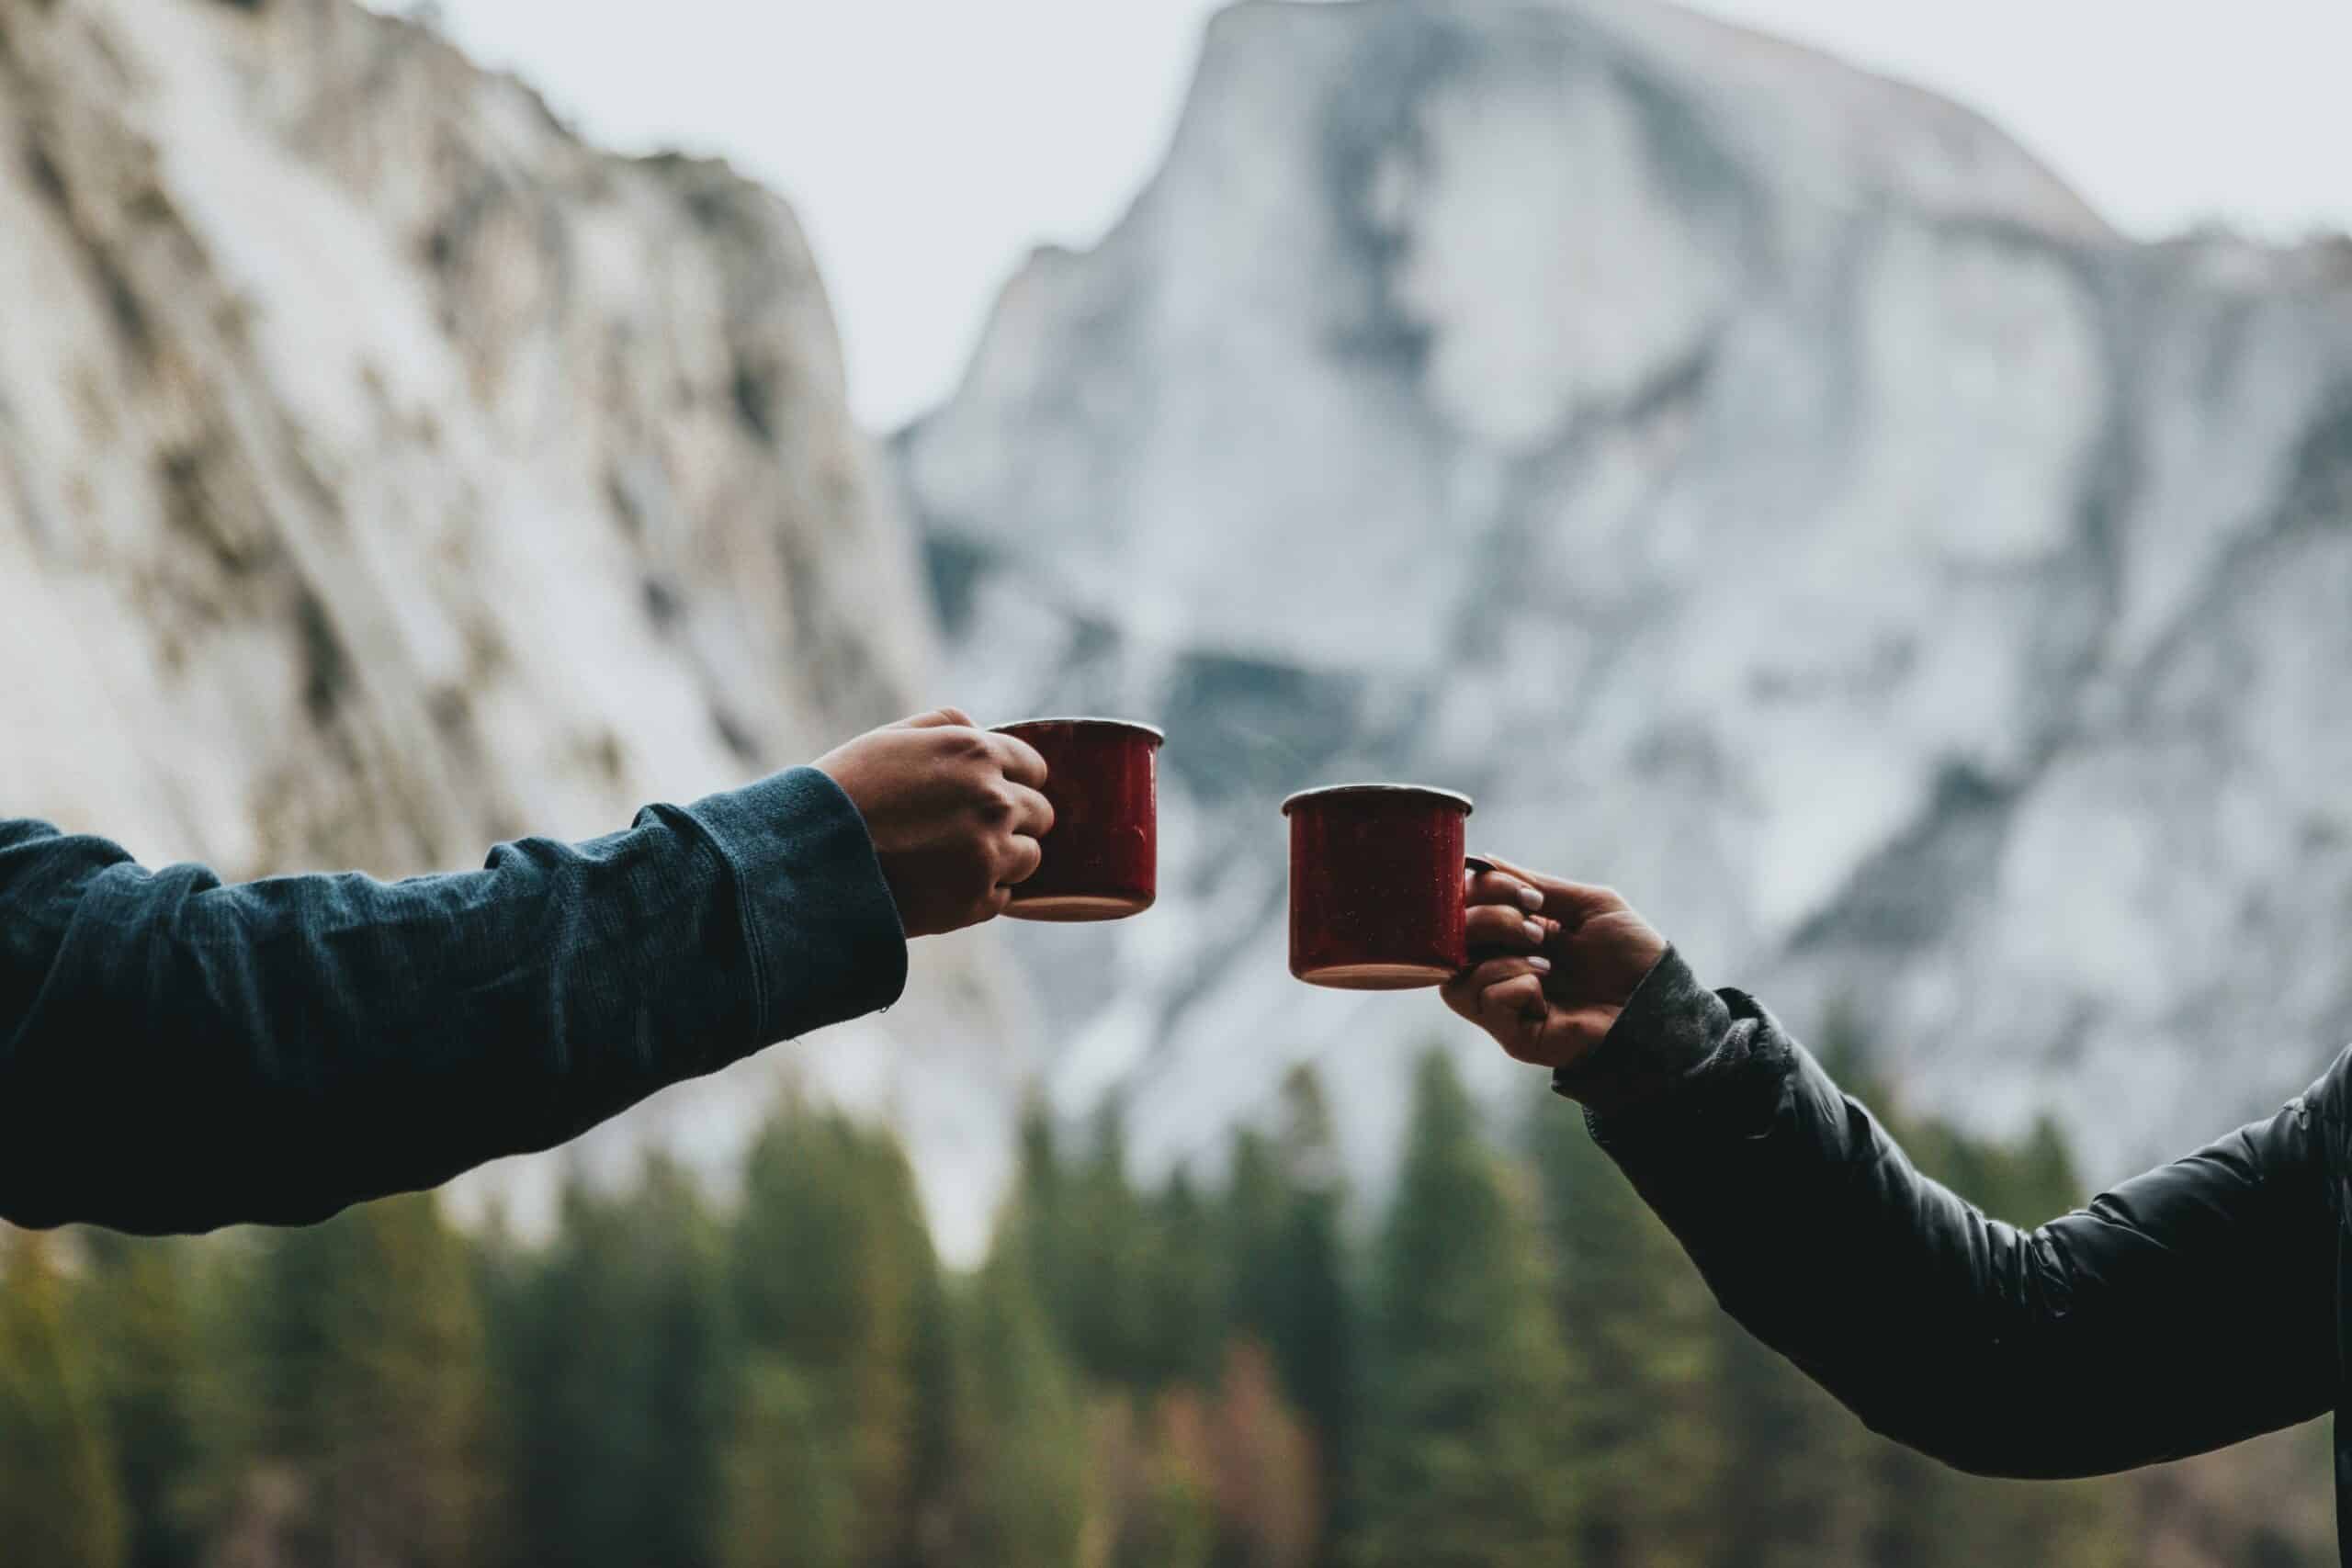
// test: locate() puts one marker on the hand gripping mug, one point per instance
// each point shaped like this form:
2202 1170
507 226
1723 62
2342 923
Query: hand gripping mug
1103 854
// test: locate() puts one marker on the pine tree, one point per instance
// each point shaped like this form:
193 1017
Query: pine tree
1021 1436
1038 1219
61 1501
1183 1315
788 1487
688 1356
1315 1336
1256 1209
505 1280
1153 1507
1108 1265
618 1368
934 1463
1261 1461
829 1263
1177 1522
138 1303
1792 1489
1469 1374
371 1370
1643 1438
905 1475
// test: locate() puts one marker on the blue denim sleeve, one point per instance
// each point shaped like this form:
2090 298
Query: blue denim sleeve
176 1053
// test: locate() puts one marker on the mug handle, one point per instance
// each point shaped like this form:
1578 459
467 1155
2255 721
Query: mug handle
1479 863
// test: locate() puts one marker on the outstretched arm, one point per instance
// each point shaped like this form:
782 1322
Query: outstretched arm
176 1053
2187 1309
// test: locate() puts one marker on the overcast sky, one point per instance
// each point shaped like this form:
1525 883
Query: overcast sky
927 144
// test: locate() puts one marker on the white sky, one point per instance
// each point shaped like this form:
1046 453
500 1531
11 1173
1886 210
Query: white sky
928 145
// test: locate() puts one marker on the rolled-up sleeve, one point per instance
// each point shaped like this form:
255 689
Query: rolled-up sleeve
178 1053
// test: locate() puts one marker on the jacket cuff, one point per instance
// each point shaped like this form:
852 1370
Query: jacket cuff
1671 1026
819 922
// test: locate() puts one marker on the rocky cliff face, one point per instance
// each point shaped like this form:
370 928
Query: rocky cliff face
382 473
1763 486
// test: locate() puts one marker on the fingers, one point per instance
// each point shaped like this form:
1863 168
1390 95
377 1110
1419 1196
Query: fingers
1570 903
1504 997
1501 887
1518 1003
1021 859
937 719
1463 992
1021 761
1504 926
1031 813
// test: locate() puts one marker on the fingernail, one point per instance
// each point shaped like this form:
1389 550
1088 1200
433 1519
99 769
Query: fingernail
1529 899
1540 965
1535 932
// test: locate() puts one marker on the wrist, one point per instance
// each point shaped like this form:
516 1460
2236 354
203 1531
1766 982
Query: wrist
1669 1028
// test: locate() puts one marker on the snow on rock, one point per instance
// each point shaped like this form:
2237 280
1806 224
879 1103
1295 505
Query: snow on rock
383 473
1763 486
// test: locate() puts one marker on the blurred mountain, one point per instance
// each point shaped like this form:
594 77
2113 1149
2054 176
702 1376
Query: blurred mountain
1764 486
383 472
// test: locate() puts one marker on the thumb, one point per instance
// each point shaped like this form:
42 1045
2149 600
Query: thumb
938 718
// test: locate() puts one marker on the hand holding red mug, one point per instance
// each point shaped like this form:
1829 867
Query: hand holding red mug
1553 963
955 812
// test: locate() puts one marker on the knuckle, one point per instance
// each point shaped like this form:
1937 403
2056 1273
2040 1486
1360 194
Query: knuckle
1513 1041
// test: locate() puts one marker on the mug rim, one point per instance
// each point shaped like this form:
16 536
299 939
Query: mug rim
1431 792
1124 726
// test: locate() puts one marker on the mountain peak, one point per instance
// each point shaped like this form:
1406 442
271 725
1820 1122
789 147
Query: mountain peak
1765 487
1814 118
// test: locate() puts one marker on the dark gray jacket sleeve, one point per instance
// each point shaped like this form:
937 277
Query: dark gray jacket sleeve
2184 1310
176 1053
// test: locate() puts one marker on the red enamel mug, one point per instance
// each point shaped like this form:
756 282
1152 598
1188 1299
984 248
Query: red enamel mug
1103 856
1376 885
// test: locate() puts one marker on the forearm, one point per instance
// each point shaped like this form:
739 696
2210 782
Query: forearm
2186 1310
176 1055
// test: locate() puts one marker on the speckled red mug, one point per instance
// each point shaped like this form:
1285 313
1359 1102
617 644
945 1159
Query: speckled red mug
1103 856
1376 885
